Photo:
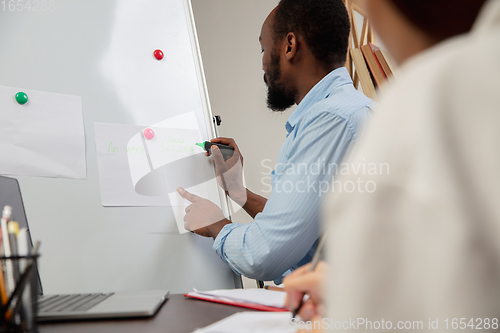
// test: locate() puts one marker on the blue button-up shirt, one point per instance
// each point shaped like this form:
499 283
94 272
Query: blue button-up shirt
321 131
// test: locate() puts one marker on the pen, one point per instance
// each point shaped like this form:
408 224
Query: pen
26 298
9 270
224 149
3 292
274 288
314 263
13 228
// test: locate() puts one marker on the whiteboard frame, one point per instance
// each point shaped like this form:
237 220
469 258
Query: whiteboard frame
211 126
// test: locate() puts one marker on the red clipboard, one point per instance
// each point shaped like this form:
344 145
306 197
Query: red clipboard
252 306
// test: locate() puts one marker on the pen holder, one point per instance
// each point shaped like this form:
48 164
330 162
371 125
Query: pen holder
18 294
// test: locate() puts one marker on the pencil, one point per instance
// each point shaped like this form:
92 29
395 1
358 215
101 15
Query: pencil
10 283
3 291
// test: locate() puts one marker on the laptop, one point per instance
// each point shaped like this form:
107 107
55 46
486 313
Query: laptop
80 306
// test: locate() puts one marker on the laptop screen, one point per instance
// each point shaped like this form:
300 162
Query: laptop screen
10 195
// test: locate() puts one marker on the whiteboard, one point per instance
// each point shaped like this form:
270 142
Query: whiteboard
103 52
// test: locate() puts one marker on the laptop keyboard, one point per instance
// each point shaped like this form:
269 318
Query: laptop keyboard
68 303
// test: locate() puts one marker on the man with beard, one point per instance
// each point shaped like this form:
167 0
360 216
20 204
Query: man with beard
304 45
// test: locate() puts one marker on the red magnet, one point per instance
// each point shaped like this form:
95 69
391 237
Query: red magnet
149 133
158 54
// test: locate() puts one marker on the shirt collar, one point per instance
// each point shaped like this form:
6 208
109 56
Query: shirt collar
320 91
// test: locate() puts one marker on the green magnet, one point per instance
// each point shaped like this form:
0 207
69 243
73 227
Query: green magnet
21 98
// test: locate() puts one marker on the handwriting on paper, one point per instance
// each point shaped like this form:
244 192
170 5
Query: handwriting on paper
168 144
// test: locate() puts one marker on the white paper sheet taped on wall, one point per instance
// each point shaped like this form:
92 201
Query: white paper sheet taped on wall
136 171
174 162
114 175
138 164
44 137
124 163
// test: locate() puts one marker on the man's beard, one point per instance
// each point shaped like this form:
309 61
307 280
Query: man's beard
279 98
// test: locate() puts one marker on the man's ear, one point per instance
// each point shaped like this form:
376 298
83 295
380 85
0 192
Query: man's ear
290 46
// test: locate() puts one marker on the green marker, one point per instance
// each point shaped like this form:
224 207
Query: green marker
226 150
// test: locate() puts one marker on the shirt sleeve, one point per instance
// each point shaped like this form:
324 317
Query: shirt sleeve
289 225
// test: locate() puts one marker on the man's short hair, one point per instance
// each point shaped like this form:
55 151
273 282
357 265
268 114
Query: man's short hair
440 19
324 25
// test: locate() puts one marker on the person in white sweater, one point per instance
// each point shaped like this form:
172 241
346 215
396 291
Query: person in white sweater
421 251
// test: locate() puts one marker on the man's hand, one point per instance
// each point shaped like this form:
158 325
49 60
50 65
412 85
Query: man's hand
229 173
203 217
229 142
311 283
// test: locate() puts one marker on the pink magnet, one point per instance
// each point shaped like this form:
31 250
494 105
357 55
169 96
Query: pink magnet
149 133
158 54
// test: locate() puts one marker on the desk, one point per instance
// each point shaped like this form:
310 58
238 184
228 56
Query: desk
177 315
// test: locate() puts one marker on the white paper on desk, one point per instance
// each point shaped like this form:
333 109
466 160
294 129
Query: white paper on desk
44 137
253 322
256 296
